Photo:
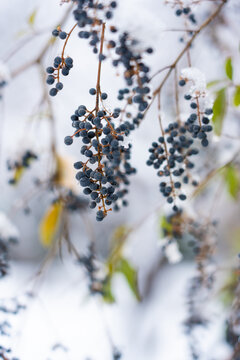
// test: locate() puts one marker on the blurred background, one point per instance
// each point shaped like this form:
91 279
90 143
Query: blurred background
62 319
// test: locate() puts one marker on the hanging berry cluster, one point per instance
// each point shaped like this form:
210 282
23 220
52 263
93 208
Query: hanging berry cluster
171 155
104 174
198 123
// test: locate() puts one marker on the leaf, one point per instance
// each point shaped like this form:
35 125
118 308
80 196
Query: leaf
219 111
232 181
165 227
18 173
213 83
229 68
107 291
32 17
236 96
130 274
50 224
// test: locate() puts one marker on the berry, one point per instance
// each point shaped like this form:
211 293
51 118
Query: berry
92 91
62 35
53 92
55 32
104 96
50 80
178 12
59 86
182 82
68 140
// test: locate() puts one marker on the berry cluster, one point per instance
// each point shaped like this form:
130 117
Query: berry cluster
203 242
84 17
135 74
170 156
91 13
187 12
87 13
183 9
102 147
92 269
23 162
60 64
198 123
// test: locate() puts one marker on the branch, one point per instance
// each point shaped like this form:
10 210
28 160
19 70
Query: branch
187 46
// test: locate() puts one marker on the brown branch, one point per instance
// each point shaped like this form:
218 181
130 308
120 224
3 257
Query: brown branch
187 46
99 69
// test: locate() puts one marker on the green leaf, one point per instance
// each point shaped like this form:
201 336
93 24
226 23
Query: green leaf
229 68
130 274
165 226
32 17
219 111
50 224
107 290
213 83
227 292
236 96
232 181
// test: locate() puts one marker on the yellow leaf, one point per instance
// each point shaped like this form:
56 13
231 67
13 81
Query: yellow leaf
18 174
65 174
50 224
32 17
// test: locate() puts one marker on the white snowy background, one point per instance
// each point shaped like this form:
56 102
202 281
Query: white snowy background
62 311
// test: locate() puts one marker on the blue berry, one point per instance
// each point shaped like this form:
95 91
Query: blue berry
104 96
59 86
68 140
62 35
182 82
92 91
53 92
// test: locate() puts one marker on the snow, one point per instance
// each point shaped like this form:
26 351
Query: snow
7 229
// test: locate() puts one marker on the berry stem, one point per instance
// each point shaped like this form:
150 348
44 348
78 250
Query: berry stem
165 147
177 95
67 38
97 109
198 112
99 69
